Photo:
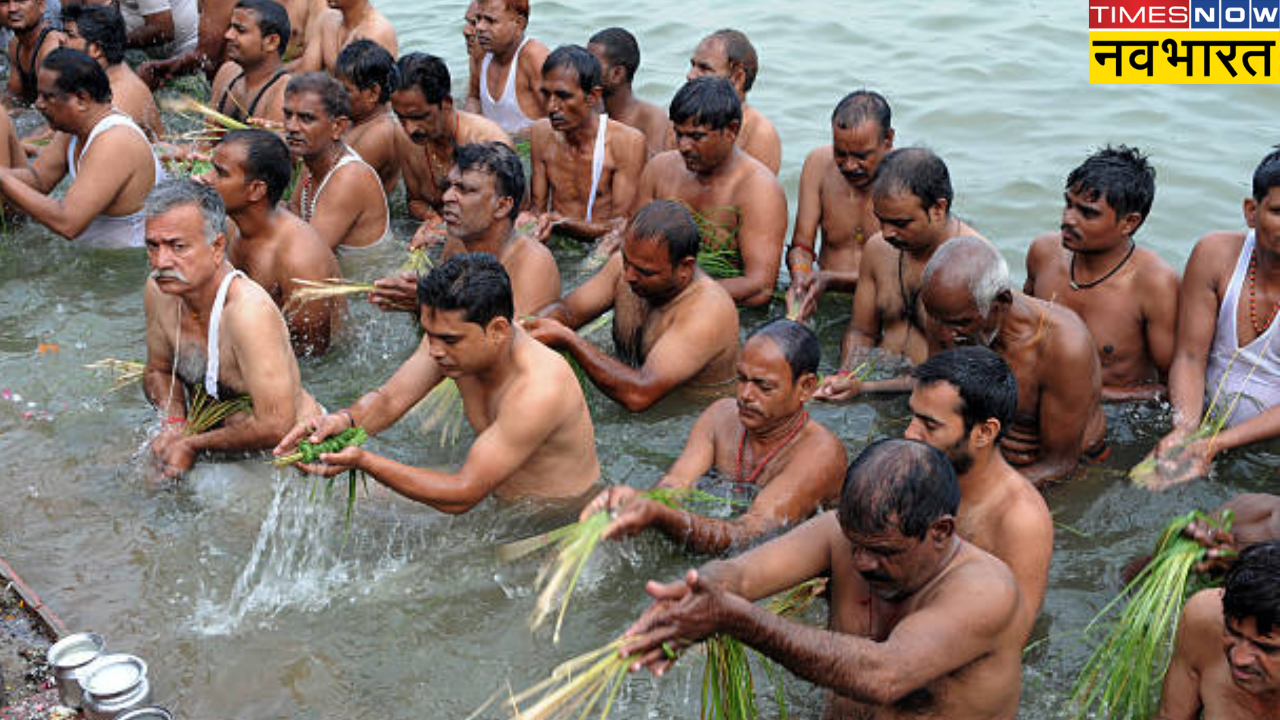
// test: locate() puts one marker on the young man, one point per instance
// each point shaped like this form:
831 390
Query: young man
585 165
1126 295
345 22
251 83
763 437
672 324
730 55
34 37
835 196
208 325
534 437
368 72
619 56
99 33
731 190
511 67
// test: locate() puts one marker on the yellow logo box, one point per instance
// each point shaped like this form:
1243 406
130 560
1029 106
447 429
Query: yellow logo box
1184 57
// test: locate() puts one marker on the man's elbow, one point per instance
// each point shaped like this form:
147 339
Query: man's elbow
752 293
638 399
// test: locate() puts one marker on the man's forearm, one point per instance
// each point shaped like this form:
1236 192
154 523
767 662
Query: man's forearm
1258 428
853 347
619 381
446 493
700 533
1048 470
375 411
1134 393
254 433
165 393
839 280
152 32
747 291
46 210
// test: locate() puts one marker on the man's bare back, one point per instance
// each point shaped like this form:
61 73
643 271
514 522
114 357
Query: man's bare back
130 94
375 140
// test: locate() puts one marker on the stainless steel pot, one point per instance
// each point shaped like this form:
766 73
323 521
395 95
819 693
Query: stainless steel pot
69 658
115 685
146 713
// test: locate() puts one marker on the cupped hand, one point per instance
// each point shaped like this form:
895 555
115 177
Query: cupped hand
398 293
840 387
314 430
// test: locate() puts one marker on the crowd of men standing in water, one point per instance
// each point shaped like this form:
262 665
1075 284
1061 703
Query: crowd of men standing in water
939 545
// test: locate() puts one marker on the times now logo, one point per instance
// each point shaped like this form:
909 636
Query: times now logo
1186 15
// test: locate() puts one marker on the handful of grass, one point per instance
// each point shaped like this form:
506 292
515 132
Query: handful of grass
188 106
310 452
322 290
205 412
1123 675
124 372
443 412
576 688
418 262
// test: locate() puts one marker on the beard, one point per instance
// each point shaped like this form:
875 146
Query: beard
960 456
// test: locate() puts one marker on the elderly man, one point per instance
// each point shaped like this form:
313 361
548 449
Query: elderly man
368 72
1127 295
205 328
251 83
34 37
99 33
272 246
507 91
345 22
619 56
835 195
672 324
742 206
107 156
922 623
585 165
730 55
1059 421
763 438
534 437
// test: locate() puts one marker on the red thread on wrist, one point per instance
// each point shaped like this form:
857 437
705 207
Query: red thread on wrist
175 420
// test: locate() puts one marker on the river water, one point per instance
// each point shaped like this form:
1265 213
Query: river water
241 591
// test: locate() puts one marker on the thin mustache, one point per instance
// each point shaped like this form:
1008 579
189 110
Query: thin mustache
161 274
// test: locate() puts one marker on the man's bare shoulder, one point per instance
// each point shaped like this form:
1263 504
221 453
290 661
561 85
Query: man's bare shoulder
1220 247
668 165
1025 514
979 574
819 159
247 301
303 245
625 135
121 139
1202 624
756 177
764 129
475 128
1045 251
712 302
1153 274
535 52
546 382
879 257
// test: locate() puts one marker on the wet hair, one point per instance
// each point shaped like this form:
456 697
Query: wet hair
974 259
620 47
427 73
332 95
983 380
1121 175
1267 174
709 101
519 7
473 282
176 192
78 73
99 25
670 222
862 106
500 161
795 341
266 158
739 51
916 170
272 19
897 483
1251 586
584 65
366 63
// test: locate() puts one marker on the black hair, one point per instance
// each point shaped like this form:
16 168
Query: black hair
983 380
739 51
898 483
366 63
473 282
620 47
1267 174
917 170
500 161
266 158
670 222
709 101
1121 175
862 106
584 65
427 73
78 73
1251 585
332 95
99 25
272 19
797 343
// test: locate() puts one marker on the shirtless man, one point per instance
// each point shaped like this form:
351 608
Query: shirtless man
585 165
672 324
511 67
835 195
730 55
763 438
251 82
967 294
619 56
963 401
433 130
534 437
347 205
192 296
911 195
272 246
482 195
1228 347
34 37
1127 295
475 56
709 173
99 33
922 623
368 72
345 22
1226 658
107 156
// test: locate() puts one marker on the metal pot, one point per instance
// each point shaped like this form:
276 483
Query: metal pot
115 685
146 713
70 657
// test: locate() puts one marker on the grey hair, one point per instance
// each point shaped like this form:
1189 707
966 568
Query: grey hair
178 192
987 273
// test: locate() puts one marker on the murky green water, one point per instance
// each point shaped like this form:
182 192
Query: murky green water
236 588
